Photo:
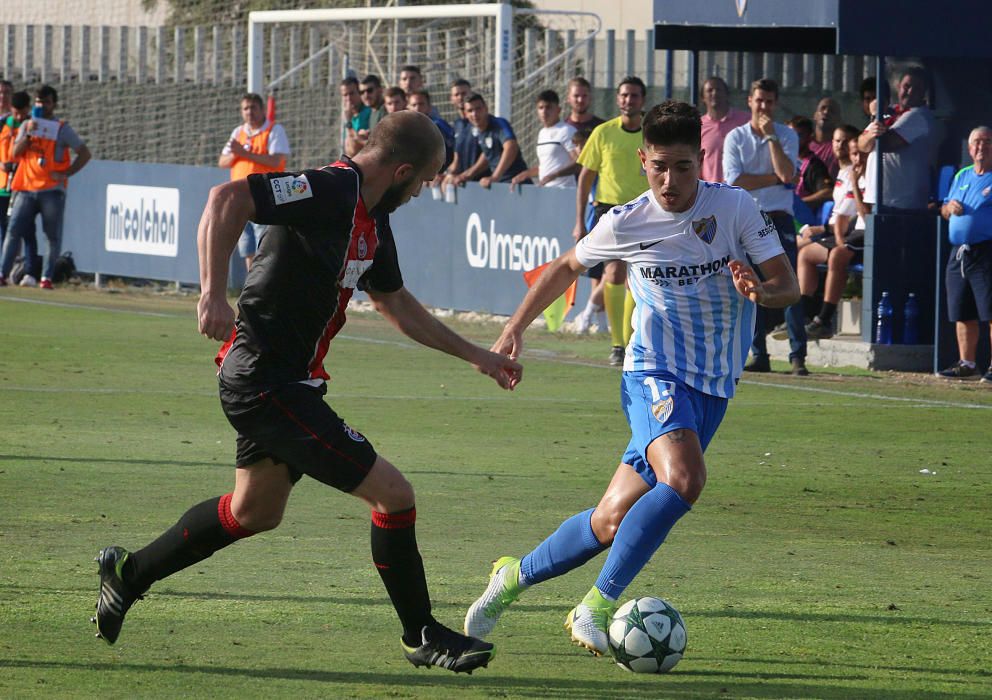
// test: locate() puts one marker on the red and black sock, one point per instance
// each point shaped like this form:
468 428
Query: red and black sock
396 557
201 531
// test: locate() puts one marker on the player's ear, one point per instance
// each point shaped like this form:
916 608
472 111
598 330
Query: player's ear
402 172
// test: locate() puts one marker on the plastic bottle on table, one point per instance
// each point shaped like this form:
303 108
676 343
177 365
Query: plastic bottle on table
911 321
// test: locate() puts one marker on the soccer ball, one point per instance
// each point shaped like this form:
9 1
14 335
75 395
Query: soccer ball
647 635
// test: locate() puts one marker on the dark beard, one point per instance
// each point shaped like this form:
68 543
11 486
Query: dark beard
391 199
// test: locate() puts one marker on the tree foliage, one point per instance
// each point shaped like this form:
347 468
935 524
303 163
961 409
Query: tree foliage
199 12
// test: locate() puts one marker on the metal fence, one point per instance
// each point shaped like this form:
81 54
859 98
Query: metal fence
215 55
169 95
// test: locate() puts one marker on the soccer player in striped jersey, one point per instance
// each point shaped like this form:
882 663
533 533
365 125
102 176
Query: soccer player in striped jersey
685 242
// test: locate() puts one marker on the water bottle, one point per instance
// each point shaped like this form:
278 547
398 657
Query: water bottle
883 327
911 321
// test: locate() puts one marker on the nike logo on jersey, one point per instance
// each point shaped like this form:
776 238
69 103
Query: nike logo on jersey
645 246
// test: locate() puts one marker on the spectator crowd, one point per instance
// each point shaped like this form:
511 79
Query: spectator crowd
36 163
813 177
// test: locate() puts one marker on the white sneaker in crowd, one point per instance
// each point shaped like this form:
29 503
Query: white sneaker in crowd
583 321
602 326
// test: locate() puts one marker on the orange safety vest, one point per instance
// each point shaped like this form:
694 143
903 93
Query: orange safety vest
6 152
36 165
259 143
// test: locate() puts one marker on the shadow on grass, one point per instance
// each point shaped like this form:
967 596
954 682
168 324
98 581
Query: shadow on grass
681 684
342 599
106 460
230 464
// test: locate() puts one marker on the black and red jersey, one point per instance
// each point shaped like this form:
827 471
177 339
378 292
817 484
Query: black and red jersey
323 245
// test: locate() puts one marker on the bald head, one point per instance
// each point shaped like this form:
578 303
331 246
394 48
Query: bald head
406 137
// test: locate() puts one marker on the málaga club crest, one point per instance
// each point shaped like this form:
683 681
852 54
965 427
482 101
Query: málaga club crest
705 228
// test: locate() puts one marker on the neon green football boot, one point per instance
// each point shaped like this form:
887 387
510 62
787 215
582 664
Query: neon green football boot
589 621
504 588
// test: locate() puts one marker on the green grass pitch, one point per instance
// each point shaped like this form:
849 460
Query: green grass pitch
820 562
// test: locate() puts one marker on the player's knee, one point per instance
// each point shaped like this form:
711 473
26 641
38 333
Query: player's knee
689 484
396 495
402 495
258 517
605 522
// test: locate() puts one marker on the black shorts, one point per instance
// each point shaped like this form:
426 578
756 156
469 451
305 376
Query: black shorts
855 242
969 283
294 426
596 271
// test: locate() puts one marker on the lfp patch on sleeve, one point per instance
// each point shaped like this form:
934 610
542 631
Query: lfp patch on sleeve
290 189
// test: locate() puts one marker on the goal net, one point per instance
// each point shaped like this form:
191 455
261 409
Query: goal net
508 55
170 93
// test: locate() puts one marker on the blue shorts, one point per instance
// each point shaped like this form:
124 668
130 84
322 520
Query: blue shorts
657 402
251 238
969 283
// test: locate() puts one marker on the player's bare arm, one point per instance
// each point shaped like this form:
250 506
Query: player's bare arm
409 316
229 207
779 289
552 283
582 190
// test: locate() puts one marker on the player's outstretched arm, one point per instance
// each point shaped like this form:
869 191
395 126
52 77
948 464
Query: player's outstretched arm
780 288
229 207
552 283
403 310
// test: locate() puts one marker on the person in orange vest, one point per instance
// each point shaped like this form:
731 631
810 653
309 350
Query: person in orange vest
41 150
256 146
20 109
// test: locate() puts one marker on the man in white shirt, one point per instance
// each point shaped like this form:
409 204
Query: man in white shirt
762 157
907 133
685 242
555 152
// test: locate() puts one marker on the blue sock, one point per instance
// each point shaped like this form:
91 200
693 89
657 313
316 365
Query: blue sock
571 545
641 532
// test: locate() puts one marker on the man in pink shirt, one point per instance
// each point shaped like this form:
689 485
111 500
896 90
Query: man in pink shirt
826 119
718 121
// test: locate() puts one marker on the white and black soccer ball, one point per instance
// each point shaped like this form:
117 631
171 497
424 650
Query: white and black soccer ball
647 635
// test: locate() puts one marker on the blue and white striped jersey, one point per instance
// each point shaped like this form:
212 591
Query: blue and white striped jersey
690 320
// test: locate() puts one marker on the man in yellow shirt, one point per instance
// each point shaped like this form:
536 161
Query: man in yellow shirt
611 154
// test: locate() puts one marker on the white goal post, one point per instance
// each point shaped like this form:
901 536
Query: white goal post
500 12
509 55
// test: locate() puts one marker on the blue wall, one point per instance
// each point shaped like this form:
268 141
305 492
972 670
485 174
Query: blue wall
85 229
468 255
